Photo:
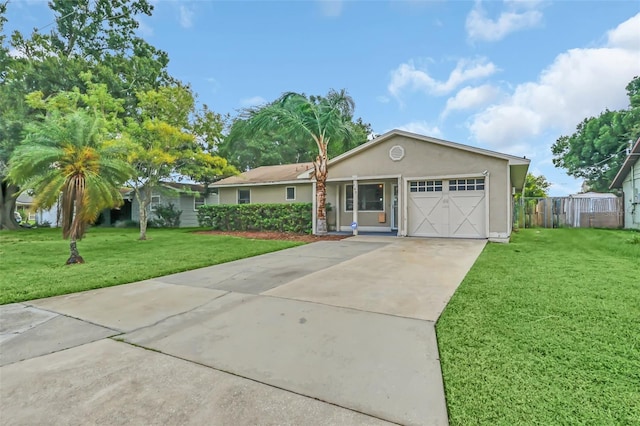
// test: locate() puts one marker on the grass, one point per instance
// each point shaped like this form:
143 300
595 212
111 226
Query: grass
546 330
33 259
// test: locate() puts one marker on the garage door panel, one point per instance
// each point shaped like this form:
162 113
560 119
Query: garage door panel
425 218
459 212
467 214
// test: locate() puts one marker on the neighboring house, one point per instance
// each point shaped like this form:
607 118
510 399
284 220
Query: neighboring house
593 210
185 196
628 178
406 183
24 203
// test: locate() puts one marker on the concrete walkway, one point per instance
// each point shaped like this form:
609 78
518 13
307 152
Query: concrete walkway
338 332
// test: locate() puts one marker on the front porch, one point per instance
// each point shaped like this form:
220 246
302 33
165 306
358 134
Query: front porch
376 210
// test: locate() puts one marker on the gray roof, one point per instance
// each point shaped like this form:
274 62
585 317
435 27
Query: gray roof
267 174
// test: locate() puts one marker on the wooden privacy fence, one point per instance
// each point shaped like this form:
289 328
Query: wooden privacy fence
574 212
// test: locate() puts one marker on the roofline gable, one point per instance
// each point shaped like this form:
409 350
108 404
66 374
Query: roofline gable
631 159
512 159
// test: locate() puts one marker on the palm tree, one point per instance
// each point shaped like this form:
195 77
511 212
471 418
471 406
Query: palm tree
321 119
67 154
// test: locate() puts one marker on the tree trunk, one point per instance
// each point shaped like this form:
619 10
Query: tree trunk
8 195
143 220
75 256
321 172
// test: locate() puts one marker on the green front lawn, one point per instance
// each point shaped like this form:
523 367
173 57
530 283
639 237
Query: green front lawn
32 260
546 330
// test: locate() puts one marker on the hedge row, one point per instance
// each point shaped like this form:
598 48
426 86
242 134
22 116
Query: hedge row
292 217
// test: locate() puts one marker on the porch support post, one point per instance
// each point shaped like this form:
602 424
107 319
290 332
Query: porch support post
338 206
314 209
399 209
355 204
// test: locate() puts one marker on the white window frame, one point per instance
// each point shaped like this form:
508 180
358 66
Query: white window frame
360 185
426 186
238 195
152 204
469 184
195 198
286 193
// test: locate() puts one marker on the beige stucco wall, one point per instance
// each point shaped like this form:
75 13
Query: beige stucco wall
630 187
267 194
428 160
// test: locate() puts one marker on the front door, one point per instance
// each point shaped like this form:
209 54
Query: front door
394 208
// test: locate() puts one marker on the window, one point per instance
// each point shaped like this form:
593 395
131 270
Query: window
370 197
244 196
155 202
291 193
198 202
425 186
466 184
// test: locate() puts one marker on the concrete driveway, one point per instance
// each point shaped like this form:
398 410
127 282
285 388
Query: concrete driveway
338 332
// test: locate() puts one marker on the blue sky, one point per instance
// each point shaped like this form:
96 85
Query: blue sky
510 75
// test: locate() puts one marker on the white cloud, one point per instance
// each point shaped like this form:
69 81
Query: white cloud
253 101
471 97
579 83
626 35
331 8
383 99
421 128
407 76
186 16
518 15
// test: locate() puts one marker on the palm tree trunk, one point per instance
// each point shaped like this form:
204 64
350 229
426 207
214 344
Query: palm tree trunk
75 256
321 173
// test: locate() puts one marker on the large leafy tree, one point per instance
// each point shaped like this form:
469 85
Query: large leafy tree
247 147
535 187
67 154
319 120
88 35
596 150
171 138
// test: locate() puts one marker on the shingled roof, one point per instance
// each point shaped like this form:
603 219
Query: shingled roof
267 174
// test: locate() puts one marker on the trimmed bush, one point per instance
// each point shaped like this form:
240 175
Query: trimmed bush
168 216
292 217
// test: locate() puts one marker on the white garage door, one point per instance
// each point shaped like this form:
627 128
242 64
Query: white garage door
447 208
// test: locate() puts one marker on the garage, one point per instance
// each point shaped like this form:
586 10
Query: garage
448 208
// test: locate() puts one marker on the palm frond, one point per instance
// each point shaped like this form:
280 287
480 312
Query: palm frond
67 154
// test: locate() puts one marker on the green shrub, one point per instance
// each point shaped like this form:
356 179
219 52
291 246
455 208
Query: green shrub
292 217
168 216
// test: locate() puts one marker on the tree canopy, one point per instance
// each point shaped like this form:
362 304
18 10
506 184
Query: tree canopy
535 187
171 138
87 35
65 159
596 150
247 147
319 120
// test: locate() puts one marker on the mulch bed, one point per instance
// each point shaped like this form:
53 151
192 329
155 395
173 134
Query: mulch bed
268 235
